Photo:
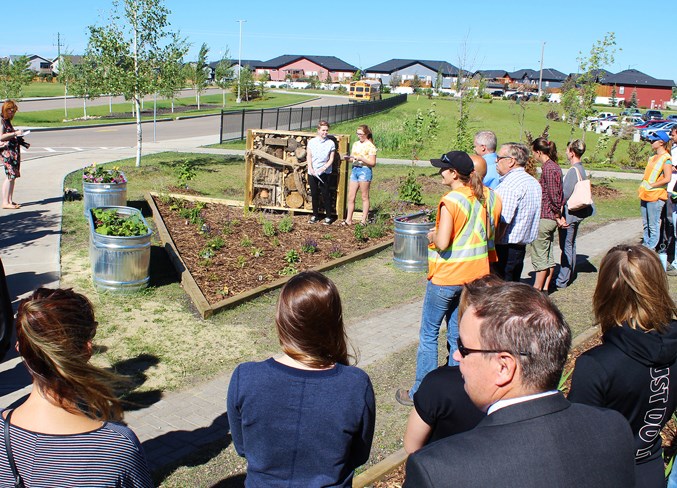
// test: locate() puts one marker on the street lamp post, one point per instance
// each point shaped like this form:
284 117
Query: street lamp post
239 63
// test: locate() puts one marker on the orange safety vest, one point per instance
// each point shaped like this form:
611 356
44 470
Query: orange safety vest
472 242
654 169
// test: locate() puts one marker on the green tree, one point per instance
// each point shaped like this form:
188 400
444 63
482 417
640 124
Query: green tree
438 80
262 78
14 76
395 80
130 48
633 99
247 84
67 73
198 73
612 99
170 77
86 82
328 79
416 83
357 75
223 73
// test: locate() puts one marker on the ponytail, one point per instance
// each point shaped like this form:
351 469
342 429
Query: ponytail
474 181
541 144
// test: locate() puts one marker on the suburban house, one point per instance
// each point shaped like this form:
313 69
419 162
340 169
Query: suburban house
301 67
37 64
76 59
552 79
496 79
427 72
650 92
234 67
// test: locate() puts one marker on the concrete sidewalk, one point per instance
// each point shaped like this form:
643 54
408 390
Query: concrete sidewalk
182 422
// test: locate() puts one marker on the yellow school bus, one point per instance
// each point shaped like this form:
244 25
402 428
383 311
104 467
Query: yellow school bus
364 91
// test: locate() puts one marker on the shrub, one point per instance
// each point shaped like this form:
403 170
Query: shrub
286 224
268 229
335 252
411 190
359 232
309 245
292 256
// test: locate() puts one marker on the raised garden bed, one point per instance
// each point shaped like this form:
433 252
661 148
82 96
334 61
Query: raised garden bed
227 255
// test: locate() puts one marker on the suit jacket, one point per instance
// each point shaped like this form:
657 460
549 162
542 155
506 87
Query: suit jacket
546 442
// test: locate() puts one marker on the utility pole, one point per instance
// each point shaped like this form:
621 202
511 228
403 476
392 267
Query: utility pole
540 77
58 58
239 62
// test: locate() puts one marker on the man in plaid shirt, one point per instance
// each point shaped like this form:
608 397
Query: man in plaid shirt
521 211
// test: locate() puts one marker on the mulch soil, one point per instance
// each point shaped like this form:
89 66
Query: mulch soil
395 479
248 258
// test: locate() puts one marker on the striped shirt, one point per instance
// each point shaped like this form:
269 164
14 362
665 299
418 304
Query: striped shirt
521 197
108 456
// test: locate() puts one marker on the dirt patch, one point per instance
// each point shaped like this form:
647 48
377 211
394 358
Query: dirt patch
604 191
229 250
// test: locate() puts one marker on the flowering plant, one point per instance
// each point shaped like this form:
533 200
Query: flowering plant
99 174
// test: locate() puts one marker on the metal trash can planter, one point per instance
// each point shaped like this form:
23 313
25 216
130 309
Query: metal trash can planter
119 264
410 248
103 195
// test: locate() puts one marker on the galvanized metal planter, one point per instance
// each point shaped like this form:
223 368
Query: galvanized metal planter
104 195
119 264
410 249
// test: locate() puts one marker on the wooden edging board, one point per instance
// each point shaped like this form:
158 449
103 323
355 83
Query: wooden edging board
380 469
190 285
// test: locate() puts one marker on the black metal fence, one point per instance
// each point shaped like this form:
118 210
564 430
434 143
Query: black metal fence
234 124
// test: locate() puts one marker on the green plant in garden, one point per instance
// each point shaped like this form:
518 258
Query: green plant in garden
335 252
292 256
359 233
246 242
185 172
109 222
215 243
268 228
309 245
286 224
411 190
256 252
207 253
99 174
376 230
275 242
241 261
288 270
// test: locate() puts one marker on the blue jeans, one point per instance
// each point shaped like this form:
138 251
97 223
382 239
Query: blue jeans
440 302
567 243
651 222
672 479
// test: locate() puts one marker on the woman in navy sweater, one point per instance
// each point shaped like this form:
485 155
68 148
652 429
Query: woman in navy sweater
305 418
633 371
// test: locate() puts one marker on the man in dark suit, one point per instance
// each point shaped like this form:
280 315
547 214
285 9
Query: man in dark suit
512 348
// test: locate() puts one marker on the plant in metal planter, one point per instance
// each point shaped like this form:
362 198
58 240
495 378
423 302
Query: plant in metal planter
119 249
103 187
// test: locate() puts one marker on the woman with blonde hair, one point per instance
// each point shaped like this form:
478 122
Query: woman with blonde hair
633 371
66 433
11 141
363 157
305 418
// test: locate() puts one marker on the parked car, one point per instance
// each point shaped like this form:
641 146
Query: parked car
664 127
624 126
672 117
497 93
653 115
522 96
631 112
649 123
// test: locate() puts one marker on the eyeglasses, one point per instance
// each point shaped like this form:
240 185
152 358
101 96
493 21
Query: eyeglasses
503 157
360 133
466 350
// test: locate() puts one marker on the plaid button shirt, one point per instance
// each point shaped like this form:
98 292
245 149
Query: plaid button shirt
551 186
521 211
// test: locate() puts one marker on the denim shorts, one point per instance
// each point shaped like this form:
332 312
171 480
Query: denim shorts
360 173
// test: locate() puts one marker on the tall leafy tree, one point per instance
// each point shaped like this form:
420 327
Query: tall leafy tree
198 73
223 73
14 76
170 75
131 48
86 80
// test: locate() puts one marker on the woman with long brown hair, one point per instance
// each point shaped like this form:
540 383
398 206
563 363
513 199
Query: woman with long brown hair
304 418
633 371
11 141
460 249
72 412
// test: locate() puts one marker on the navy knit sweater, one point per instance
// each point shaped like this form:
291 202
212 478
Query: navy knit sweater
300 428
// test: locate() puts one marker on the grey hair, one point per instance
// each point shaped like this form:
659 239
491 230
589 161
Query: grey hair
486 138
577 147
518 151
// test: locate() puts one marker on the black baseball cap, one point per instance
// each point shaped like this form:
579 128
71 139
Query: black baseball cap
456 160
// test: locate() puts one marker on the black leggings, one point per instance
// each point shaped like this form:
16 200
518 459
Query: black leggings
315 188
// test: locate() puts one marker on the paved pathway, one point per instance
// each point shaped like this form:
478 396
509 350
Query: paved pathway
180 422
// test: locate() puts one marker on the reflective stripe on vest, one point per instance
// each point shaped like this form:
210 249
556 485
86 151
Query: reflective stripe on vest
462 249
655 171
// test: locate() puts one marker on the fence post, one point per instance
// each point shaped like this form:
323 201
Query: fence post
310 122
242 127
261 122
301 123
221 129
291 110
277 118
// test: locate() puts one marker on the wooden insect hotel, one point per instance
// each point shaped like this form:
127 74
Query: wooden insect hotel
277 171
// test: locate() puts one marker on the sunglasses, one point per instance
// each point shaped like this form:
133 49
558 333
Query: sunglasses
464 351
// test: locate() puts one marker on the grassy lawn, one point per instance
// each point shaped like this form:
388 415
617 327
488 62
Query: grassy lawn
509 120
155 334
39 89
121 112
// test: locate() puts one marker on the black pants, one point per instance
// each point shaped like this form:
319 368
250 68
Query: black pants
317 187
666 236
510 261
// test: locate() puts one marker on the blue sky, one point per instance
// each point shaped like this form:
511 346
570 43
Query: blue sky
498 35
